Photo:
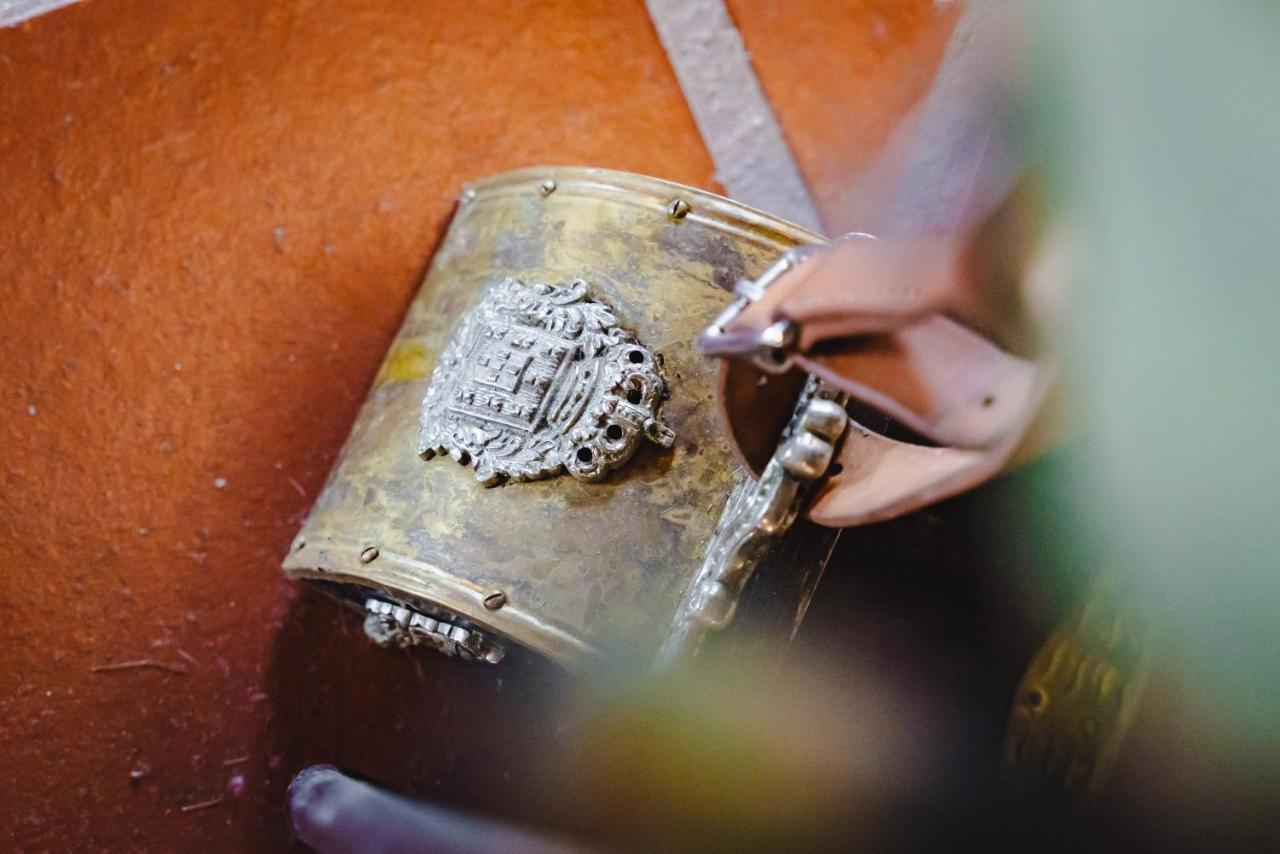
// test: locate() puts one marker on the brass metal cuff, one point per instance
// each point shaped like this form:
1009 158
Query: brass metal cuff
554 333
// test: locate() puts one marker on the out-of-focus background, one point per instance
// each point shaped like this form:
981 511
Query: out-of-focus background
213 215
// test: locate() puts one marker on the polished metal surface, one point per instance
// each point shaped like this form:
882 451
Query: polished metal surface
540 379
582 566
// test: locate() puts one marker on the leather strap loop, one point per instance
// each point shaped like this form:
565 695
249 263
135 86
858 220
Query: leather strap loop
873 319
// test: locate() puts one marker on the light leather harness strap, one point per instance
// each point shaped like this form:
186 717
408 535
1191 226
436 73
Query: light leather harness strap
868 317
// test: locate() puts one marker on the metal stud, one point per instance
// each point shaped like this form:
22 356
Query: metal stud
678 210
547 187
369 555
781 334
495 600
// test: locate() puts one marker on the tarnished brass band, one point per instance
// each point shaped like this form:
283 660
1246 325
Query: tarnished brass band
579 566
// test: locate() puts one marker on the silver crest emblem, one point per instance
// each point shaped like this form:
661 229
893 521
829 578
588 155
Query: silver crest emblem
540 379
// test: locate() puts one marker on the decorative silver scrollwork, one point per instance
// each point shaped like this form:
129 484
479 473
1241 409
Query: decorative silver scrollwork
540 379
756 514
389 624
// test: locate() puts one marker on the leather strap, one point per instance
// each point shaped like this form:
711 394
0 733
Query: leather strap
877 320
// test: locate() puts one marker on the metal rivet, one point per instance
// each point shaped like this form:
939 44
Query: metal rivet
495 600
781 334
467 196
369 555
547 187
678 209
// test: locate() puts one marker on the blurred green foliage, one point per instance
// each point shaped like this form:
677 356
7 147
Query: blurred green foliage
1159 123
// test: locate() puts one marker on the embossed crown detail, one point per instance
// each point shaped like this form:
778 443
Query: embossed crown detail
540 379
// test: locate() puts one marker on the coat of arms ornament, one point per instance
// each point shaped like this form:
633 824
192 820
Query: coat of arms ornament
540 379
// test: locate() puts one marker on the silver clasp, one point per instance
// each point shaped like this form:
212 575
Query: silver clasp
770 349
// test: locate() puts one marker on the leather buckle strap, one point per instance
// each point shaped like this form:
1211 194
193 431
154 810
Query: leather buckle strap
886 336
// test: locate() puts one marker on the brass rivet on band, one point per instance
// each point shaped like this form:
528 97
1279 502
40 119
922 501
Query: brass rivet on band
369 555
678 209
495 600
547 187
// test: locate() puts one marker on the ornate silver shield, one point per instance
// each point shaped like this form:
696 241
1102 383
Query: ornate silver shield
540 379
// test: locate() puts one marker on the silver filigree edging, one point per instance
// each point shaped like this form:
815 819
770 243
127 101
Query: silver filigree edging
389 624
540 379
756 514
757 511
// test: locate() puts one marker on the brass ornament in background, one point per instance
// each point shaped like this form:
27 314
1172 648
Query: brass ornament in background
1077 700
540 379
